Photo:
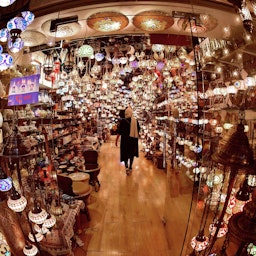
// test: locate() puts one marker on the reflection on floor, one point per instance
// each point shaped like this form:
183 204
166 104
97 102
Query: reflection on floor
144 214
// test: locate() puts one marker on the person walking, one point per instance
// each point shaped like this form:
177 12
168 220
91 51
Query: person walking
128 130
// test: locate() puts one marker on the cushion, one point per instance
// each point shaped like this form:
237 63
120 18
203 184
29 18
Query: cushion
79 176
80 188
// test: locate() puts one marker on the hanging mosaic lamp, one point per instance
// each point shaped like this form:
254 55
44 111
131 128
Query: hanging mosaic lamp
5 61
4 34
15 46
5 3
28 17
16 202
39 237
5 182
222 230
37 215
41 229
50 221
30 250
85 51
199 242
15 26
99 56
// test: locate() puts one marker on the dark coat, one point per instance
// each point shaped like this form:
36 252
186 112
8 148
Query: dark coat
128 146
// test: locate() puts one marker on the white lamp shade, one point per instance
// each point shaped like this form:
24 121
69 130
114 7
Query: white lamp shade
30 250
39 237
37 215
50 221
17 205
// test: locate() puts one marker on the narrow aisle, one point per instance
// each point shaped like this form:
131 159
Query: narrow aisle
127 212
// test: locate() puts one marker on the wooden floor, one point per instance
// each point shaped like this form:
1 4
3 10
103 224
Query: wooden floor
144 214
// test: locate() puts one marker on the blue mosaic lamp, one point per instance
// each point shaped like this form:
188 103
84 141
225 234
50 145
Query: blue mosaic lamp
28 17
5 60
15 26
5 182
15 46
4 34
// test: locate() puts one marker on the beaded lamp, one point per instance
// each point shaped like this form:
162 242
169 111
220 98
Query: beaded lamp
30 250
16 202
37 215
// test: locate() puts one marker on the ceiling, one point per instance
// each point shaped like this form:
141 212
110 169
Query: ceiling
221 17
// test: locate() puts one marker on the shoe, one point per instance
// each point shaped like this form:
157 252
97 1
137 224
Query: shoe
128 171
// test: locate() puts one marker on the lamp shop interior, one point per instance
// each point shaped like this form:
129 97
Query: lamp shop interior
187 69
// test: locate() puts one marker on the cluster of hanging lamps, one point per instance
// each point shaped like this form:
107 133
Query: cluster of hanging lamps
15 26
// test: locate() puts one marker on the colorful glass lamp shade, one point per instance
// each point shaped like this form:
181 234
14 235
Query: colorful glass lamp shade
15 26
5 182
4 34
30 250
16 202
15 46
199 242
5 3
28 17
85 51
222 230
99 56
5 61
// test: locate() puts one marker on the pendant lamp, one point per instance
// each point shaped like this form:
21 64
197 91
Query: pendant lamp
37 215
30 250
199 242
16 202
16 26
50 221
5 182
